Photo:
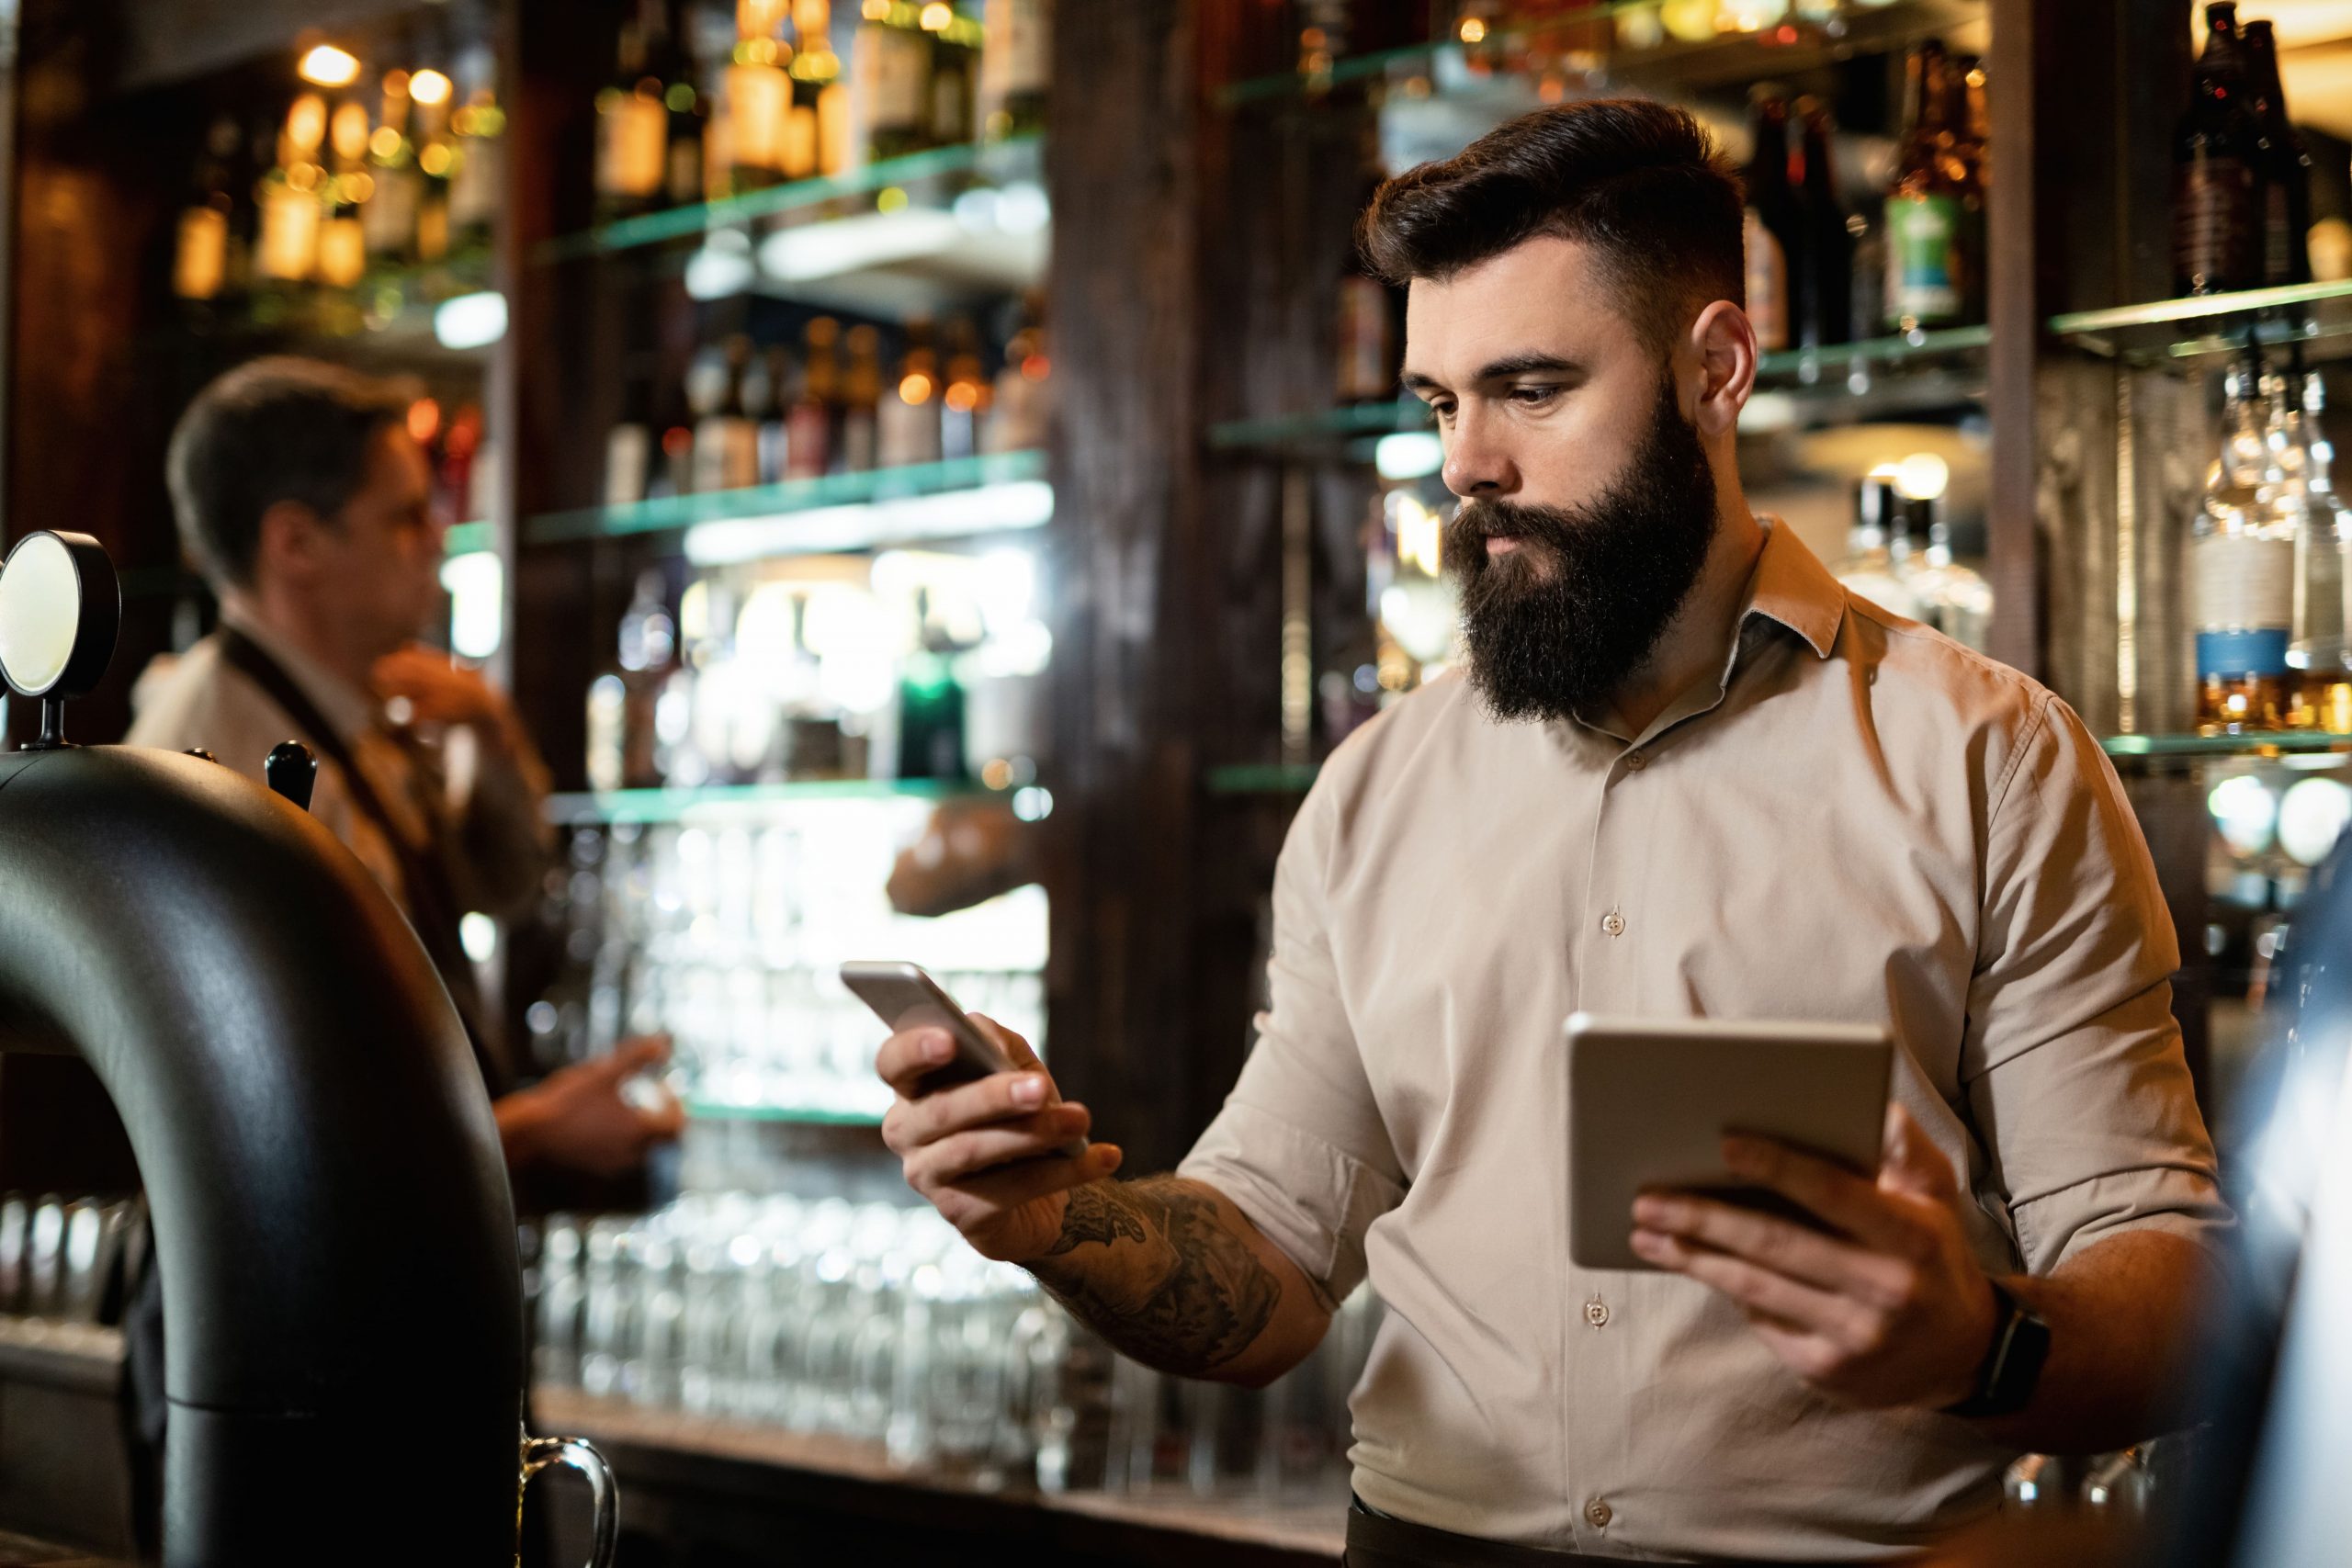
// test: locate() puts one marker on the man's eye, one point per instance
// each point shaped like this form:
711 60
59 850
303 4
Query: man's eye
1532 396
1444 412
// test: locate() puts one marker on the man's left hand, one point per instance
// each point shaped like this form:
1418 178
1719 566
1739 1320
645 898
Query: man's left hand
438 692
1891 1309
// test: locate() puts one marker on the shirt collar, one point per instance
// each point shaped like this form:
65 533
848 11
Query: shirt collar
351 710
1793 588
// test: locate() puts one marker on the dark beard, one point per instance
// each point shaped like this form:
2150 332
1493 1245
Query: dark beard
1554 629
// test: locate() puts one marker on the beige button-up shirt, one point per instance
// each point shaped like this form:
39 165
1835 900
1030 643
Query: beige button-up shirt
493 810
1861 821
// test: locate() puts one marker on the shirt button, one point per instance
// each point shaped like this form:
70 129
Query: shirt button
1636 762
1598 1514
1613 923
1596 1313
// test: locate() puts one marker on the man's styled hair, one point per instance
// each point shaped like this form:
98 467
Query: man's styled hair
277 429
1642 183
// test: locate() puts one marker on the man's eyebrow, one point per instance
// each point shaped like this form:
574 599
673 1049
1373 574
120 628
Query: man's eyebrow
1524 363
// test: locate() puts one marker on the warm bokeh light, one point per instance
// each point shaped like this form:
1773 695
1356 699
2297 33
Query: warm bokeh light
963 397
915 389
349 132
1922 476
890 198
423 420
435 160
396 83
429 88
875 10
306 123
1472 30
937 18
330 67
385 143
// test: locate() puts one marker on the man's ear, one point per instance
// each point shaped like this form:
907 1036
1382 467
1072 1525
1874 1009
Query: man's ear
292 534
1724 341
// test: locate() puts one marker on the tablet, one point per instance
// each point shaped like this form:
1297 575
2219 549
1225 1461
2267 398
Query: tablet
1650 1099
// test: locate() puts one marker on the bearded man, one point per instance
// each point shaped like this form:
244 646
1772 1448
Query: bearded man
1684 773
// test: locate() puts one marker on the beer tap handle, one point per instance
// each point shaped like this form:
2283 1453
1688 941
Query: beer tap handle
291 771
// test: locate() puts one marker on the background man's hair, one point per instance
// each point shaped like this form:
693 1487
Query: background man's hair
277 429
1643 184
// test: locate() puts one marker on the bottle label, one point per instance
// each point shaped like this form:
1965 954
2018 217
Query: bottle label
201 266
1923 266
2278 236
759 103
2213 231
289 233
632 145
392 213
1018 54
2244 598
474 185
1767 286
889 67
628 462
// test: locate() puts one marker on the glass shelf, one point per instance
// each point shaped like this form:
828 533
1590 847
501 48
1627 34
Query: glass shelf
586 808
2276 743
465 538
798 1115
1264 778
1016 157
390 308
1871 374
960 498
2168 331
1787 48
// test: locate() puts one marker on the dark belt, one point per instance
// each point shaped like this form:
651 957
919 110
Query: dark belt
1381 1541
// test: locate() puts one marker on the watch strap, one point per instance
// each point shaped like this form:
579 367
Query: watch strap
2012 1367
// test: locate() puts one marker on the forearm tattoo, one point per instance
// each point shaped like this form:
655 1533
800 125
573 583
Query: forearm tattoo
1171 1286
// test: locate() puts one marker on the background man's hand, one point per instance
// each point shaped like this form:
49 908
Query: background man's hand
437 690
578 1119
986 1155
1893 1310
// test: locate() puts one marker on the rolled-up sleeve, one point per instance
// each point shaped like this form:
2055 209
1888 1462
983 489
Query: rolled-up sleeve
2073 1062
1300 1146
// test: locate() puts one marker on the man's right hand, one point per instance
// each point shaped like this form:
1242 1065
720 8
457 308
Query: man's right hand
578 1119
987 1154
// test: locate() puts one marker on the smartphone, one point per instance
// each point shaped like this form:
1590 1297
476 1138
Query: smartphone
905 998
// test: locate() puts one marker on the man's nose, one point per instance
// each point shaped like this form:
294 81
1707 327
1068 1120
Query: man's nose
1478 462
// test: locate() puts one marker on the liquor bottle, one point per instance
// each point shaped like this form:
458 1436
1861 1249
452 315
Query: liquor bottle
632 128
2320 657
861 401
931 702
2285 165
1775 226
290 196
963 404
630 444
2242 574
759 96
478 175
818 87
809 437
343 236
622 702
1016 67
1975 120
670 55
756 391
774 427
2217 195
1867 567
949 122
1365 336
1951 598
890 68
1927 259
430 92
201 258
390 218
727 442
1023 401
1824 313
907 427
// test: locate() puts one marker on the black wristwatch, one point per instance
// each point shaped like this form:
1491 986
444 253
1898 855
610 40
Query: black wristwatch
2020 1344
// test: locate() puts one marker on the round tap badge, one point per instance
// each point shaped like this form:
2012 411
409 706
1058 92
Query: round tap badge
60 609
